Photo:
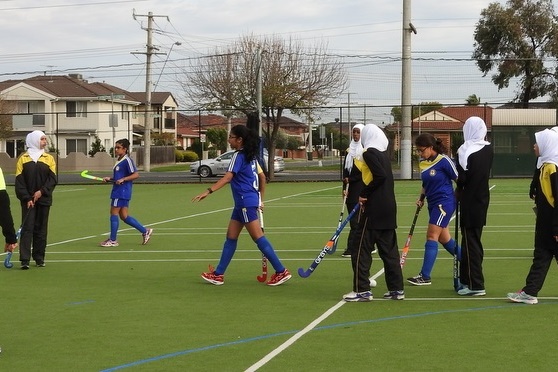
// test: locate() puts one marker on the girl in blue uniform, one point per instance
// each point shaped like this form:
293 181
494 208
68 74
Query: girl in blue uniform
124 172
437 171
247 185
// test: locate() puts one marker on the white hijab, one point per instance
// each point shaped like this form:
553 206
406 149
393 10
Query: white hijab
33 143
355 148
372 136
547 141
474 133
539 161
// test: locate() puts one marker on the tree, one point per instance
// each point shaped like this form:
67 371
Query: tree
517 41
218 138
293 77
163 139
96 147
472 100
7 109
416 111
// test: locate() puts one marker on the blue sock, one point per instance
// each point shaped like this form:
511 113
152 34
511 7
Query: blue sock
265 247
450 247
226 256
430 253
135 224
114 221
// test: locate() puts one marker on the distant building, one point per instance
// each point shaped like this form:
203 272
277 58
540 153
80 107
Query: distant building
72 112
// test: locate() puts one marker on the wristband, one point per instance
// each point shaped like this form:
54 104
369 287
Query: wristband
210 191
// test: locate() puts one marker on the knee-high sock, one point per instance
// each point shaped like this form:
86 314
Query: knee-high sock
265 247
114 221
450 247
430 253
135 224
226 256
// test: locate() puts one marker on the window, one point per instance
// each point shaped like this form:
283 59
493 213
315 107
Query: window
76 109
30 107
76 145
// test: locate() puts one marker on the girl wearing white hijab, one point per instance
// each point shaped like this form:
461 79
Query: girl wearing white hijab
474 162
377 219
352 186
546 223
34 183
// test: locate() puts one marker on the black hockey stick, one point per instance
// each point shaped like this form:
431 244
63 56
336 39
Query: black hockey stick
306 273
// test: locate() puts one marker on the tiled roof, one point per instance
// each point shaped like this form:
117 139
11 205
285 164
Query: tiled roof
64 86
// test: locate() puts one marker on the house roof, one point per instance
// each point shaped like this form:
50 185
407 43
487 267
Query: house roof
451 118
74 86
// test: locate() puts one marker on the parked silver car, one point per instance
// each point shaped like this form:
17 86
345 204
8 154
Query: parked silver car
220 164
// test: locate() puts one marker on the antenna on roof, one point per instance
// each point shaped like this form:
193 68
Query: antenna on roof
50 67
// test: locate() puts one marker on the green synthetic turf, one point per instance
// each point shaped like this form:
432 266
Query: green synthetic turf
145 308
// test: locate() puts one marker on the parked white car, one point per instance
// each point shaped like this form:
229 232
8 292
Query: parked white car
220 164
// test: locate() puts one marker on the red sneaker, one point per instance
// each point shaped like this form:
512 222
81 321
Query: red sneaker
279 278
213 278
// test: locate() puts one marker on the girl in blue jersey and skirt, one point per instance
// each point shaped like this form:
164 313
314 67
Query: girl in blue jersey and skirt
247 185
437 171
124 172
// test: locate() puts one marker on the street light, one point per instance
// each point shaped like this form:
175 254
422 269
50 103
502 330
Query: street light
164 64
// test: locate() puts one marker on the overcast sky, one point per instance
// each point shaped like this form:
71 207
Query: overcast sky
97 38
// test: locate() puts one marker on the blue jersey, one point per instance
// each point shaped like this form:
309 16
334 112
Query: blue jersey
123 168
437 176
245 183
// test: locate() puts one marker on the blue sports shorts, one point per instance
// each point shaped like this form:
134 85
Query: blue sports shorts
245 215
440 213
120 203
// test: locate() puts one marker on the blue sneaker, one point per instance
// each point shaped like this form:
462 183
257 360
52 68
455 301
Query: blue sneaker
358 297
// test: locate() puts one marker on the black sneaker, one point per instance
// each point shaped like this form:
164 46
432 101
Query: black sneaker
419 280
394 295
347 253
40 264
25 266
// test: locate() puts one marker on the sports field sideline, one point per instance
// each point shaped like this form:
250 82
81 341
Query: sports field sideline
145 308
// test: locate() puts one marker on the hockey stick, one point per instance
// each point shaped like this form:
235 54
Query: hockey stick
7 263
456 283
405 250
306 273
332 250
263 277
85 174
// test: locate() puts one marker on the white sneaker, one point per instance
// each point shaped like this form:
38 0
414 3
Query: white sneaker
146 236
523 298
465 291
358 297
109 243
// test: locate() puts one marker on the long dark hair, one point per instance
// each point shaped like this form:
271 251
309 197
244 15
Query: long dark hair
124 143
250 140
428 140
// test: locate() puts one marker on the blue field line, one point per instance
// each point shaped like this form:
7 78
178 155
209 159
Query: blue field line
251 339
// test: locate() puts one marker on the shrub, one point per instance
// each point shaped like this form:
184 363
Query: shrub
189 156
178 156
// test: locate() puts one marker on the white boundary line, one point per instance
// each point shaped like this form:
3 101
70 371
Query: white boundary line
295 337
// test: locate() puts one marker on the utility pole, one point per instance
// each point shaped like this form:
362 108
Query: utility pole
406 146
148 124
